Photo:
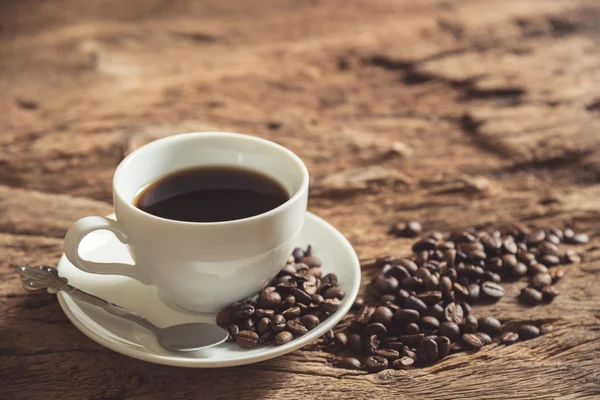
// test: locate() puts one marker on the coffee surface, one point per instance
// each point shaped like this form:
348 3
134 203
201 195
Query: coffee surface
211 194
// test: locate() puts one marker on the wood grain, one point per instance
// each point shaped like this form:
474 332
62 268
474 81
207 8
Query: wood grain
473 112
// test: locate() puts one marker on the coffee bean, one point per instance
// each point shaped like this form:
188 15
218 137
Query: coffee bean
494 264
278 323
388 354
348 363
528 332
311 261
371 344
509 245
519 270
263 325
509 338
246 339
470 324
531 296
460 291
283 288
383 315
509 261
282 338
359 302
466 308
535 237
472 340
492 290
261 313
355 343
410 329
330 306
288 269
225 317
431 282
387 299
266 338
579 238
546 328
291 313
557 275
541 280
403 363
450 330
454 313
302 307
398 272
364 315
246 324
537 268
331 279
408 264
445 284
298 254
549 293
428 351
436 311
309 321
547 247
242 311
395 345
376 328
340 340
385 284
328 336
422 273
571 257
473 289
300 296
288 302
376 363
443 346
405 316
424 245
233 331
449 257
414 303
457 347
296 327
490 325
430 297
429 323
310 287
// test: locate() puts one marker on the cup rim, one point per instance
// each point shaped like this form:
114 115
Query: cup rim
191 136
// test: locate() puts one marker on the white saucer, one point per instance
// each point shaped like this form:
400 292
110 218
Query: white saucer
124 337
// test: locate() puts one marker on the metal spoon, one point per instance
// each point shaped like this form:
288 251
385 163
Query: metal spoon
180 338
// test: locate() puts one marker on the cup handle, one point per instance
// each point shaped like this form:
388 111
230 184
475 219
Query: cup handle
81 229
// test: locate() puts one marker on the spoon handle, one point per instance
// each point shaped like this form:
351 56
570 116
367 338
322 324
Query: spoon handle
35 278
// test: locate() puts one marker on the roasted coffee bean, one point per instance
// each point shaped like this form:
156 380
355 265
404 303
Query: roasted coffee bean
317 299
548 248
242 311
376 363
309 287
349 363
233 331
246 339
518 270
490 325
531 296
364 315
474 290
410 265
428 351
388 354
557 275
412 340
302 307
466 308
296 327
300 296
424 245
509 338
485 338
383 315
431 297
282 338
288 302
535 237
460 291
463 281
284 288
385 284
476 255
449 330
403 363
398 272
311 261
422 273
571 257
579 238
263 325
494 264
509 261
528 332
330 306
472 340
376 328
246 324
537 268
402 296
541 280
415 303
451 273
331 279
287 269
449 257
266 338
340 340
309 321
454 313
412 283
393 345
445 284
372 343
225 317
436 311
328 336
549 293
429 323
407 352
457 347
509 245
546 328
470 324
301 269
431 282
410 329
355 343
291 313
443 346
261 313
317 272
492 290
405 316
298 254
278 323
387 299
359 302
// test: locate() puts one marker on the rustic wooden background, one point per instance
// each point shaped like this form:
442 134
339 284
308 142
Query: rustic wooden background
453 113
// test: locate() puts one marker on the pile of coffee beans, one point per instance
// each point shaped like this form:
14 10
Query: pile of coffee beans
419 308
298 299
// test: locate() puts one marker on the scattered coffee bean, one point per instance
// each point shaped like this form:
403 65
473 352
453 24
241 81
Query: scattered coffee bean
531 296
247 339
415 304
454 313
529 332
282 338
485 338
349 363
549 293
428 351
472 340
403 363
509 338
355 343
470 324
385 284
388 354
310 321
539 281
291 313
450 330
490 325
331 305
382 315
376 363
443 346
492 290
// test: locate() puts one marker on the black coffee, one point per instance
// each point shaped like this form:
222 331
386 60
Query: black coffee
211 194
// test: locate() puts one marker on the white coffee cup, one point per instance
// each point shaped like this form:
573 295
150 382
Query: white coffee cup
200 267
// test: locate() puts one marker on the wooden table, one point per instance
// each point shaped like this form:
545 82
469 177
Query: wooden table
474 112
